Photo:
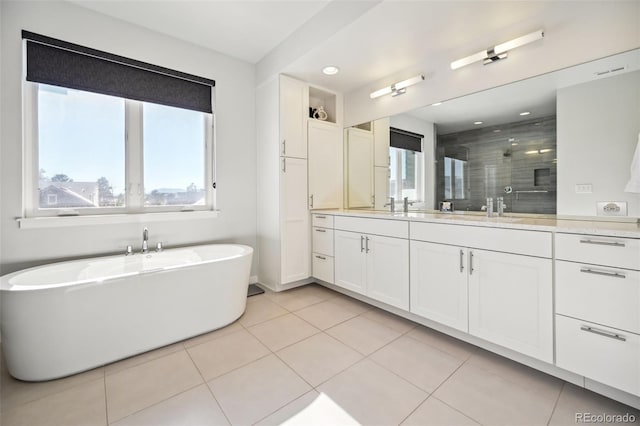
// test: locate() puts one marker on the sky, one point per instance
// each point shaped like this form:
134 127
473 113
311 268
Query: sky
82 135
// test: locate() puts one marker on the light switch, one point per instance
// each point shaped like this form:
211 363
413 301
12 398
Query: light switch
584 188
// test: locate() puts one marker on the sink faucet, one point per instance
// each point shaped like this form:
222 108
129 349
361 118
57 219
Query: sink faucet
500 206
406 203
145 240
391 204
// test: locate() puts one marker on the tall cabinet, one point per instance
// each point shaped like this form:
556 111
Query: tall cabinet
284 160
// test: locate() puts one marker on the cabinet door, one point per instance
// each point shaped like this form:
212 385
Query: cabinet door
439 283
325 165
510 301
381 142
359 168
381 187
388 270
293 113
350 261
295 239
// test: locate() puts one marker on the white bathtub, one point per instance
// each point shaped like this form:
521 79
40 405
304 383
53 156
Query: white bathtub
63 318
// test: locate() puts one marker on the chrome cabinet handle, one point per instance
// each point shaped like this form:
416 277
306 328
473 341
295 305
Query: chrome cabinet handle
603 333
284 165
321 230
320 217
367 244
603 243
471 263
361 243
605 273
320 257
284 146
461 260
311 196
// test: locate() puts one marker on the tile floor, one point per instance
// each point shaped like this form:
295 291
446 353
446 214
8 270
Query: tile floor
306 356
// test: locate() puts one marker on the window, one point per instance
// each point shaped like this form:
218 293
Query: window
406 176
454 178
93 148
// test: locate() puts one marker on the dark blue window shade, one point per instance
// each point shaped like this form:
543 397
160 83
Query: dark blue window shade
405 140
59 63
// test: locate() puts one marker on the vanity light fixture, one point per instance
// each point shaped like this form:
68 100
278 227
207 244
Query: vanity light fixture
499 51
330 70
478 122
539 151
437 104
397 88
525 113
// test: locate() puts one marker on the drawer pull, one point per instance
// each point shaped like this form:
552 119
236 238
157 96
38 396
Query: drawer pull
461 260
603 333
603 243
361 243
321 230
320 257
605 273
321 217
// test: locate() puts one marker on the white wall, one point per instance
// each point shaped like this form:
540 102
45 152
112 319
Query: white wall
235 135
598 126
596 29
415 125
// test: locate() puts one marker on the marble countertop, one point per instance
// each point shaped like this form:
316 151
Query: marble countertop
628 229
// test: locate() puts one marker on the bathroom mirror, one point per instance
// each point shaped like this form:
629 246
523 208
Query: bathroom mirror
523 141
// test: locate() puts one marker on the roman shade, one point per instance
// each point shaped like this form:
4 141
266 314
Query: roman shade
60 63
405 140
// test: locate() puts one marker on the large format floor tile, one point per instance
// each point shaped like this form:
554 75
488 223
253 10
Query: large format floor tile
363 335
282 331
254 391
448 344
390 320
434 412
420 364
493 400
193 407
300 297
326 314
319 358
81 405
311 409
222 355
141 386
373 395
259 309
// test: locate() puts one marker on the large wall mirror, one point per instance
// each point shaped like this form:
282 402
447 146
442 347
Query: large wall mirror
558 143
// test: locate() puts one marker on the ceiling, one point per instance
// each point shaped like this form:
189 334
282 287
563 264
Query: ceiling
369 40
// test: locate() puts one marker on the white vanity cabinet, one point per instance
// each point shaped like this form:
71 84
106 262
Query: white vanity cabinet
460 279
372 258
598 308
322 259
325 164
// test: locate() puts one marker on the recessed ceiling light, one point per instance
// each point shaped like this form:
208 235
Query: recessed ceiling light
477 122
437 104
330 70
497 131
525 113
514 143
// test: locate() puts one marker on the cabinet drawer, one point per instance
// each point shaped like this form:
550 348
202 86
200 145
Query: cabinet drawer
384 227
532 243
322 267
323 241
599 250
322 220
602 295
604 354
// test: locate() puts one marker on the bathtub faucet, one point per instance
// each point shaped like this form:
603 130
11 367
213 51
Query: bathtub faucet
145 240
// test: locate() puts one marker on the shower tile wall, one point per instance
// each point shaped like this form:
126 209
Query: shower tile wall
503 156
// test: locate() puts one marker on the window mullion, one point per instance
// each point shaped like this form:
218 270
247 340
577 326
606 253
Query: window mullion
134 155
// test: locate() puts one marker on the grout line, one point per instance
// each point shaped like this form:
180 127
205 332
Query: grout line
556 403
455 409
415 409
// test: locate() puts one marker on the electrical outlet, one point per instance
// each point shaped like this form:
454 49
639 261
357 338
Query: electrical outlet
584 188
612 208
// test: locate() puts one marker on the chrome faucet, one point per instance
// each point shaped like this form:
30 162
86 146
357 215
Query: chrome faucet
489 207
500 206
391 204
145 240
406 203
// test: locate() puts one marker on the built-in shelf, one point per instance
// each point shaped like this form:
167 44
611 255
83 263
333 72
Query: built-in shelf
319 97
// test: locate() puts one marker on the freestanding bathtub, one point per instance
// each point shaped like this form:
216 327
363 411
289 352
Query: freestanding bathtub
67 317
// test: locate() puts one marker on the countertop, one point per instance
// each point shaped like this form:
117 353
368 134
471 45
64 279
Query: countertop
548 223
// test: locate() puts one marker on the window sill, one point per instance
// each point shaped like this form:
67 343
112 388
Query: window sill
111 219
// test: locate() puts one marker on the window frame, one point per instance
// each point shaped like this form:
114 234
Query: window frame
134 166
